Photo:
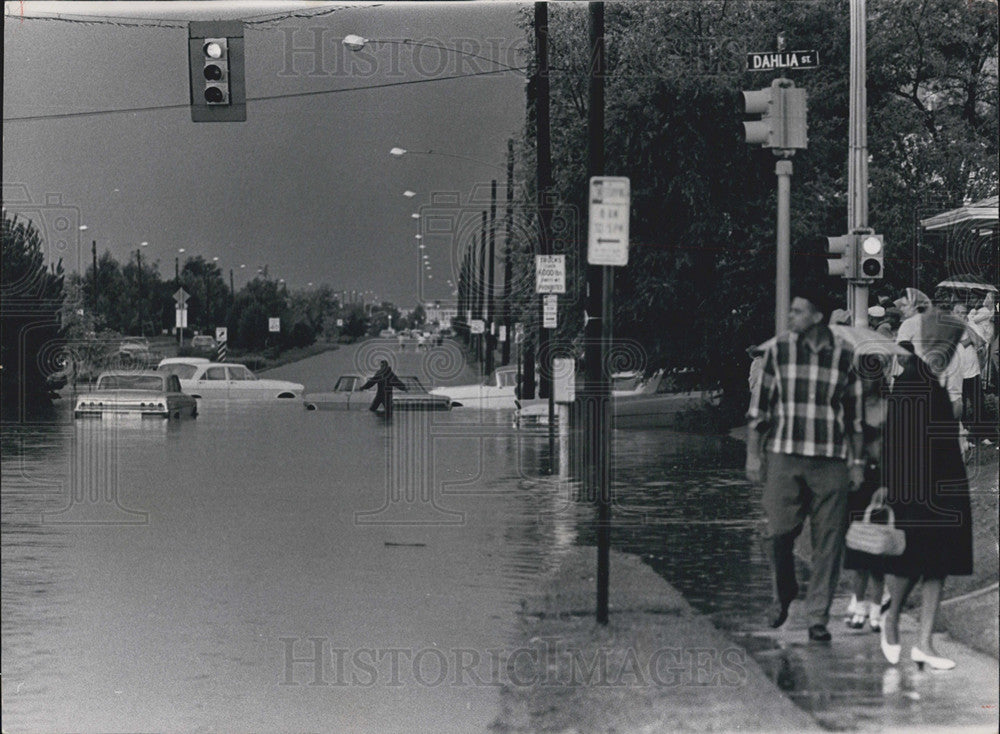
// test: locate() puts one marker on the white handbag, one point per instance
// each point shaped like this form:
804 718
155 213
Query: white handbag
875 538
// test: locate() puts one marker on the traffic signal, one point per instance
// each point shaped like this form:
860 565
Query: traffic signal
870 249
215 59
846 264
783 110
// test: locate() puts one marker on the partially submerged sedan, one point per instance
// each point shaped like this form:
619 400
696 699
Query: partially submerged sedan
226 380
348 395
495 393
144 394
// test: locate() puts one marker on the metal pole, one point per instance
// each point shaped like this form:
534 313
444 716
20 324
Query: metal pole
93 252
543 155
482 290
857 162
490 301
597 331
782 289
505 350
138 278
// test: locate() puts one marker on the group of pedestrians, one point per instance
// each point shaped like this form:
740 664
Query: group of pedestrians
829 434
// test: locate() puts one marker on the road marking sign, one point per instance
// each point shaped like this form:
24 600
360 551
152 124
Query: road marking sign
181 320
550 273
770 60
549 311
181 296
607 226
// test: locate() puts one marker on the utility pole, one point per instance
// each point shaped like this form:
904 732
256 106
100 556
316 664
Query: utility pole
482 292
490 301
857 162
596 402
93 252
505 353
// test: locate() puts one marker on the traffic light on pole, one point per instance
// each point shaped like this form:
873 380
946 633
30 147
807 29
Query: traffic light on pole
215 60
844 247
870 251
783 110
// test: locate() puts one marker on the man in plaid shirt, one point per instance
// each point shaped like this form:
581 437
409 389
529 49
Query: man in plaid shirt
808 414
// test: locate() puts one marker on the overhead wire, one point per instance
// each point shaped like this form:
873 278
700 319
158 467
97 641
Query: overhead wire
263 98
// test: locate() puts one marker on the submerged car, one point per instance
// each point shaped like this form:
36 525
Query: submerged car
146 394
496 393
225 380
636 402
348 395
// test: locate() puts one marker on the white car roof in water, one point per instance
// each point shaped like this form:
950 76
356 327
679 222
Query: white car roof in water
183 360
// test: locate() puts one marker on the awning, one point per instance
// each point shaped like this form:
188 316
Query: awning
983 212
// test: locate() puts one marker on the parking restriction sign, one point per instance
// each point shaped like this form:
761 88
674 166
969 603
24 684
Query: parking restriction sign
549 311
607 226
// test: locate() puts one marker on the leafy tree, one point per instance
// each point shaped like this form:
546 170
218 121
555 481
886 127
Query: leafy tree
32 297
699 285
208 306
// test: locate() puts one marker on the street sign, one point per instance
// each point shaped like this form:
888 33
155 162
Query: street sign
274 324
771 60
607 226
181 296
549 311
340 322
221 334
477 326
550 273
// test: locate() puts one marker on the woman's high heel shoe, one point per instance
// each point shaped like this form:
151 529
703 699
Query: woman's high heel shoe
935 663
891 652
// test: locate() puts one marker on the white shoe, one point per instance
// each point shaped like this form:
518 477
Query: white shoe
856 614
891 652
935 663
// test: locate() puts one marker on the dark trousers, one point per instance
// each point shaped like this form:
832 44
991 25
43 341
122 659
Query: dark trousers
382 398
796 487
972 409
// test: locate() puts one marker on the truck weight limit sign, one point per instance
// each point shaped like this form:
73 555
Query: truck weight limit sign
550 274
607 225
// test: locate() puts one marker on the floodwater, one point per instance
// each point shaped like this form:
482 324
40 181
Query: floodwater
271 569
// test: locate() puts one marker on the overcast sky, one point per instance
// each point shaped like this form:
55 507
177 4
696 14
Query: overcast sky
306 185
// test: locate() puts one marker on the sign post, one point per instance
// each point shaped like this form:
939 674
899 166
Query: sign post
181 321
222 337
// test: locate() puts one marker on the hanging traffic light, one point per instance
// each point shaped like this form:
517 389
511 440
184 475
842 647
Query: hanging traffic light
215 58
844 247
870 251
783 109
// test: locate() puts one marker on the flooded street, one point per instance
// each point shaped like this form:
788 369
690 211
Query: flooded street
174 576
267 568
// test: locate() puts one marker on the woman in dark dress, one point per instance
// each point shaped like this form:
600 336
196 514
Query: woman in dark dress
928 491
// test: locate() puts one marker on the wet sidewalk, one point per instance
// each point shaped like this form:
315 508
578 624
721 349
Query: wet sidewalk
659 666
847 684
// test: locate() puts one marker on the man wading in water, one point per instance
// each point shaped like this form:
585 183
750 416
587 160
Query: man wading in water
386 380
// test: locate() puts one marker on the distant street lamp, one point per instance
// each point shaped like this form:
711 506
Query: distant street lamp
400 152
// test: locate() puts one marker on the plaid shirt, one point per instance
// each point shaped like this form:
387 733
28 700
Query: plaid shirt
806 398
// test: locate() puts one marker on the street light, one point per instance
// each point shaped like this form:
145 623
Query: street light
400 152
